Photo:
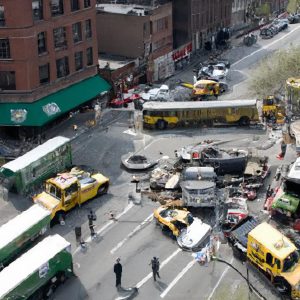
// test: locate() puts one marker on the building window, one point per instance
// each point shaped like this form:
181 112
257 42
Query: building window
78 60
162 24
88 29
60 37
37 9
62 67
4 49
87 3
42 47
74 5
7 80
44 74
89 56
57 7
77 35
2 19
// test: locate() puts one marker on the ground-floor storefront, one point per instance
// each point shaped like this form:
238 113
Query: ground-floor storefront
28 119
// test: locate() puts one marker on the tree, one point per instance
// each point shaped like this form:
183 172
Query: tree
293 6
263 10
271 74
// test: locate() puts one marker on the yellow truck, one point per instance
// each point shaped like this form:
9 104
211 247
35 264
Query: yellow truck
274 107
269 251
69 189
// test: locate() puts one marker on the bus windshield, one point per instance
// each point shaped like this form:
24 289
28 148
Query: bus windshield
290 261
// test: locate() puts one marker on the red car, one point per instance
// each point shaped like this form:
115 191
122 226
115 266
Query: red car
117 102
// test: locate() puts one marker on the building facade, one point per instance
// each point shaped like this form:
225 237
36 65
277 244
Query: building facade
239 16
135 31
198 21
48 48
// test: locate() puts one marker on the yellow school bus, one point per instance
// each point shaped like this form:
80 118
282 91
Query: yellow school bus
162 115
277 257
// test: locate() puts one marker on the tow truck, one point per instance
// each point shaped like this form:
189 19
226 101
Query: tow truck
69 189
270 252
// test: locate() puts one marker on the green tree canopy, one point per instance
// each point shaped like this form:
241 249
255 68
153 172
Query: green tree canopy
293 6
272 72
263 10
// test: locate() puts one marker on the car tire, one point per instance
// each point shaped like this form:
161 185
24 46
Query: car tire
59 218
161 124
244 121
102 190
282 286
171 125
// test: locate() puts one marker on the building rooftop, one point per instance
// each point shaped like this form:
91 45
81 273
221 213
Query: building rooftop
125 9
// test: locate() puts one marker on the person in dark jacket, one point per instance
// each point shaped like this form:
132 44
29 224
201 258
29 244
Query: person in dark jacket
283 147
118 272
92 217
155 267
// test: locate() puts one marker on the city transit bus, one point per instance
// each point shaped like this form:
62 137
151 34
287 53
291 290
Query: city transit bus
162 115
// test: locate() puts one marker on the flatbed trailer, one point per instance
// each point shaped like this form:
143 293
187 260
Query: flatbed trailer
20 232
238 237
28 171
37 273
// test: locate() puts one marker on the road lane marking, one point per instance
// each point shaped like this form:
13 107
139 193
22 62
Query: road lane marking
219 281
135 230
162 264
107 225
177 278
267 46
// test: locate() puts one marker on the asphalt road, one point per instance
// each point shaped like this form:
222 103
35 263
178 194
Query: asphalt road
134 237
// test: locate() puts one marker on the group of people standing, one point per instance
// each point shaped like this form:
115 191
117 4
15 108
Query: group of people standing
118 270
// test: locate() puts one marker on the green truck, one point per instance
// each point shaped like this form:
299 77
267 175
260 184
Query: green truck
37 273
286 201
20 232
32 168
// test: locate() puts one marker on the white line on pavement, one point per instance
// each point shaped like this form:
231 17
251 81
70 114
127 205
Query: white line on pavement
177 278
108 224
267 46
219 281
144 280
135 230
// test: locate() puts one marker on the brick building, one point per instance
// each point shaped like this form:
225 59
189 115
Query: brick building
48 60
198 21
136 31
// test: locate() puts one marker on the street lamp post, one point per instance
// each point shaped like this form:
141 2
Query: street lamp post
251 287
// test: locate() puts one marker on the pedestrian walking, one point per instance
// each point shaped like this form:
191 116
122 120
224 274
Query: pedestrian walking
118 272
269 192
92 217
283 147
155 267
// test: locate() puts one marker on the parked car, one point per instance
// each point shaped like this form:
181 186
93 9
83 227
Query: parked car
294 18
280 24
266 33
127 98
216 71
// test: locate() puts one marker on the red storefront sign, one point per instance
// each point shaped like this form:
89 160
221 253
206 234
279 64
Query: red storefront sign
182 52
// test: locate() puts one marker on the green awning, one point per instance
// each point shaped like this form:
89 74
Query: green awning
52 106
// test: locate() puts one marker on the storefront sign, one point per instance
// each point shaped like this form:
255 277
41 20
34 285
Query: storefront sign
51 109
18 115
182 52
